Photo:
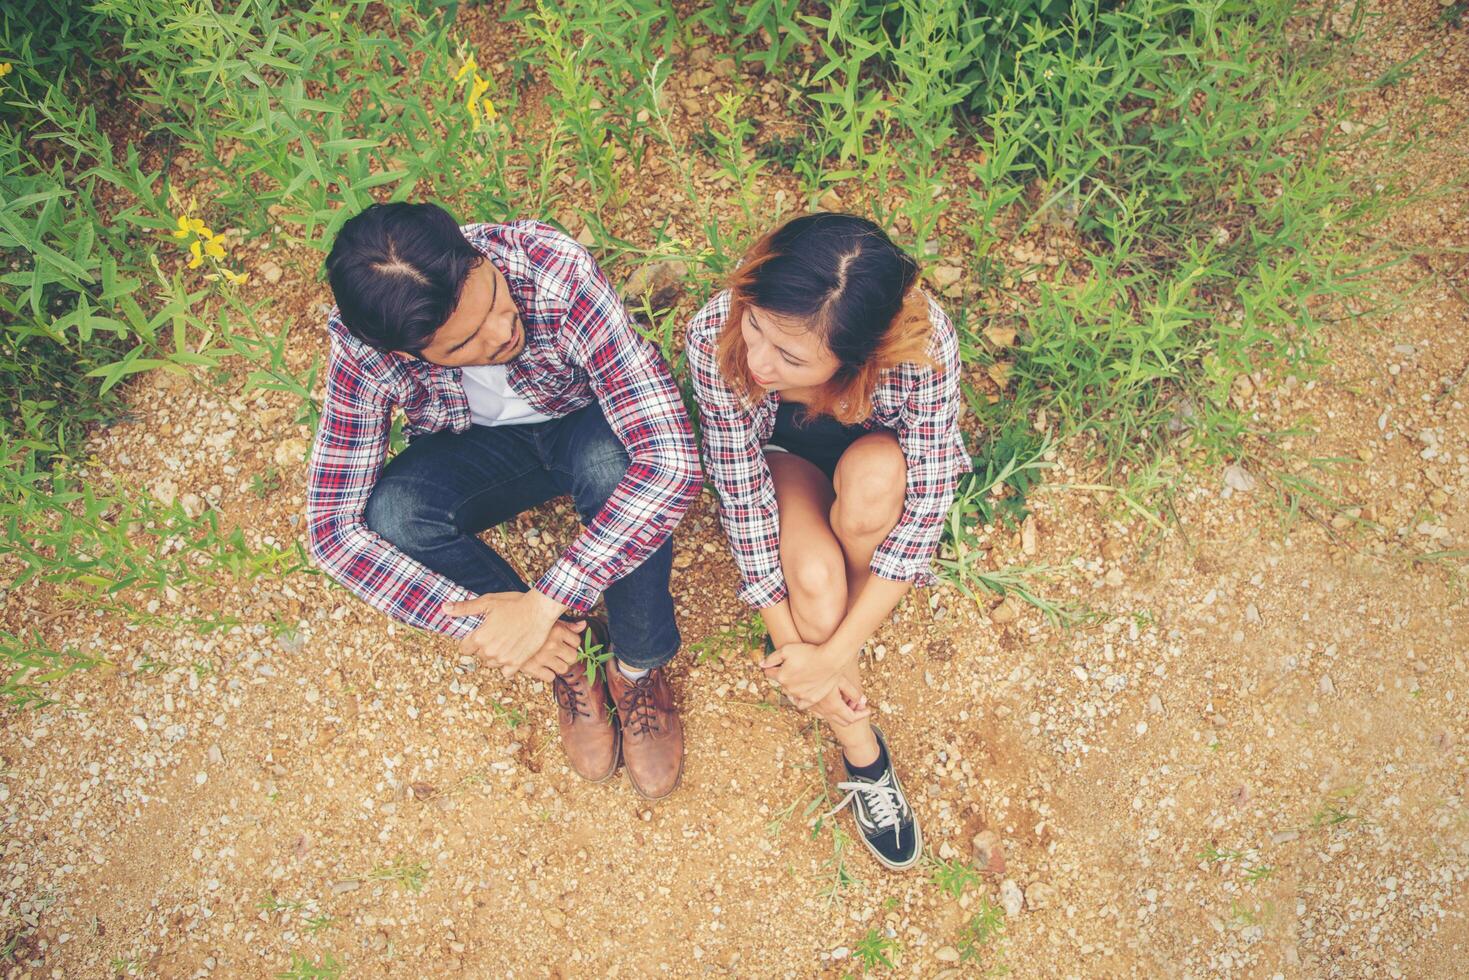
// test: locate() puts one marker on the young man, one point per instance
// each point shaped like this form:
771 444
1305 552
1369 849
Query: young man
521 379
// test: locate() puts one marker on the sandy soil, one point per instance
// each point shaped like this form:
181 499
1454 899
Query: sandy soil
1252 763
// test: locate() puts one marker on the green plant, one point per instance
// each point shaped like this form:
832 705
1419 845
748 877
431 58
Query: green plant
875 949
328 967
745 635
592 655
408 875
986 926
951 877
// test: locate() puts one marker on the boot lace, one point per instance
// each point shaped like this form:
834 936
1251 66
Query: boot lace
637 709
569 697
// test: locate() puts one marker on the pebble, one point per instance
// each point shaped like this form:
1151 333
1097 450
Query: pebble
1114 577
1005 612
1039 895
345 885
989 856
947 954
830 200
1238 478
1011 898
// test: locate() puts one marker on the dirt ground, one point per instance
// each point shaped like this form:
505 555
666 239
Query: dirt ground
1255 762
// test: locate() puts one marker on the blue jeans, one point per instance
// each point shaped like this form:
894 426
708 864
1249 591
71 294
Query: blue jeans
436 496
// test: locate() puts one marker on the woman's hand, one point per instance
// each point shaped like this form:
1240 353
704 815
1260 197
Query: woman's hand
808 673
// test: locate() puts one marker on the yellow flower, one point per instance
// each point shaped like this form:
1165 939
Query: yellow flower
469 66
491 113
204 232
182 231
477 88
195 251
213 249
238 278
6 68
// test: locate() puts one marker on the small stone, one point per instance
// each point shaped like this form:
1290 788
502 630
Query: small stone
656 284
1142 728
1284 836
989 857
585 237
1011 897
1252 615
947 954
1155 704
1005 612
945 276
840 953
1113 549
947 852
271 272
345 885
1326 686
830 200
1114 577
1039 895
1027 535
555 918
1238 478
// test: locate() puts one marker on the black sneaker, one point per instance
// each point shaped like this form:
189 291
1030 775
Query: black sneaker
888 824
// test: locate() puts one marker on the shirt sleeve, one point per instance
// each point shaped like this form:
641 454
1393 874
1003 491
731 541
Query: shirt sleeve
346 461
736 465
929 436
643 406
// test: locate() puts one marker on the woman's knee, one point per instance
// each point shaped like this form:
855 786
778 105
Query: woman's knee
818 588
870 488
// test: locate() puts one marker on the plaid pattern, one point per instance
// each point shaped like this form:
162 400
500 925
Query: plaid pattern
920 405
580 346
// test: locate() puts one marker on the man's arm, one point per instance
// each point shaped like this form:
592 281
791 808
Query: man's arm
642 405
346 460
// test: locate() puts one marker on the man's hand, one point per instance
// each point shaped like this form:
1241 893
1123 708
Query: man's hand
808 674
558 653
516 625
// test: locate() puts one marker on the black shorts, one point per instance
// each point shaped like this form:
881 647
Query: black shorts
818 439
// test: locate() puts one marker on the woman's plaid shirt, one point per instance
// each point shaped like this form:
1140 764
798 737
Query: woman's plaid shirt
918 404
580 347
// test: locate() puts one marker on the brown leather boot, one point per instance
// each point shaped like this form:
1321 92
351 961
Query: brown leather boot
588 733
652 733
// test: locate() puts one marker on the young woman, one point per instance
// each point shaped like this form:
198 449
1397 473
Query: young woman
828 384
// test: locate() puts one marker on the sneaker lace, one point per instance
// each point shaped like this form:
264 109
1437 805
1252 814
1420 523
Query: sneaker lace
568 697
637 709
882 800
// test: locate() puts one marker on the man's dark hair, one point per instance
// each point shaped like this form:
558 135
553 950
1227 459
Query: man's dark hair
396 271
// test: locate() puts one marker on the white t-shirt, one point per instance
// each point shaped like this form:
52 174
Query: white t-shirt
492 401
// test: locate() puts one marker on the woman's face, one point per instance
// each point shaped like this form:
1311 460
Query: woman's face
783 353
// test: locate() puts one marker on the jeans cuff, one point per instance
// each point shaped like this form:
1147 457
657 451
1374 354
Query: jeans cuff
647 661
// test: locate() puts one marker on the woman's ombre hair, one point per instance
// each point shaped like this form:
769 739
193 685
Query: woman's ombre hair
846 278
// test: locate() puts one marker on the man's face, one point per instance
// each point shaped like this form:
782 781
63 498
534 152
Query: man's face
485 327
